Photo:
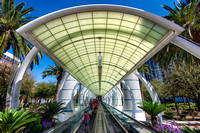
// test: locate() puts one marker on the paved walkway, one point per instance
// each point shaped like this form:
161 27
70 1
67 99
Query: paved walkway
191 124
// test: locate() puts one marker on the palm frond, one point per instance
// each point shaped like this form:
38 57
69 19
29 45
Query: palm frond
20 6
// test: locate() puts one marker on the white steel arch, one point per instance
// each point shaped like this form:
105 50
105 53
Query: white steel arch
148 36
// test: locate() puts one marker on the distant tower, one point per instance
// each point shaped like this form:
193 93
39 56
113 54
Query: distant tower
156 72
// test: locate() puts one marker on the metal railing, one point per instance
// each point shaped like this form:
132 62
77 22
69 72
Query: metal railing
129 123
69 125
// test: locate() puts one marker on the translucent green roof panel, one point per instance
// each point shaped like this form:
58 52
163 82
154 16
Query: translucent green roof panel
124 38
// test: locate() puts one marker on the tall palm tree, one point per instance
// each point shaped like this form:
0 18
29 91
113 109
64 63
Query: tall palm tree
186 15
145 68
54 70
11 18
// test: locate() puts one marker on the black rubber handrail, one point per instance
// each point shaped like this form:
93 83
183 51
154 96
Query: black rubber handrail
147 127
68 125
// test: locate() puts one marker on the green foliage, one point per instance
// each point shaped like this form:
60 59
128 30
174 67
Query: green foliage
183 83
15 120
12 17
183 116
45 90
185 112
186 15
186 129
27 85
159 87
151 108
168 115
48 110
34 127
5 74
144 69
146 94
54 70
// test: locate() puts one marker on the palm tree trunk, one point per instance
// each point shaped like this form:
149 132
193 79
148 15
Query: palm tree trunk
153 120
39 102
164 101
176 105
184 100
141 90
188 100
198 101
25 102
58 83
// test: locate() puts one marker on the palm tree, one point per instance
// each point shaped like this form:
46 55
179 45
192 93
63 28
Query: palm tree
145 68
153 109
186 15
49 110
54 70
15 120
11 18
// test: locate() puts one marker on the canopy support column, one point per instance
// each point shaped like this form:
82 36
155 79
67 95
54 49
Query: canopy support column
64 77
19 77
66 97
152 92
132 82
81 97
128 106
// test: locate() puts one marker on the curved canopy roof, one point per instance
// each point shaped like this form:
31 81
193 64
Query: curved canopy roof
124 37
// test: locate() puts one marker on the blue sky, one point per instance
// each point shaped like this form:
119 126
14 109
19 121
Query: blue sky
43 7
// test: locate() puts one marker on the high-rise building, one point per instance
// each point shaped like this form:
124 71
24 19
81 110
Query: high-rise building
156 72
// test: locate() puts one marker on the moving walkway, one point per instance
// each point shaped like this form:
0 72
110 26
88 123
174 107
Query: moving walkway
107 120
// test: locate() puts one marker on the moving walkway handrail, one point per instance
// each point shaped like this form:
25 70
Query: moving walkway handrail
138 122
69 125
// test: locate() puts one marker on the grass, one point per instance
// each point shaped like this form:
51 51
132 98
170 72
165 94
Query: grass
184 111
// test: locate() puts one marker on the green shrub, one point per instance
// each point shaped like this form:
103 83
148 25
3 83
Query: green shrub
173 108
182 116
185 112
15 120
186 129
34 127
168 115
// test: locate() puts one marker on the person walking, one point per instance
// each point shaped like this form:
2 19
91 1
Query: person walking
91 105
86 119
